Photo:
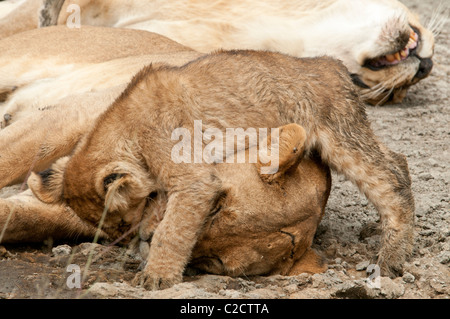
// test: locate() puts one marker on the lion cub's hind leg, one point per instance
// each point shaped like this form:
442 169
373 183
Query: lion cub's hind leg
350 147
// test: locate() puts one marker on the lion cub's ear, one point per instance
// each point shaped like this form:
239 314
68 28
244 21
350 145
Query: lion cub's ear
123 184
47 185
285 149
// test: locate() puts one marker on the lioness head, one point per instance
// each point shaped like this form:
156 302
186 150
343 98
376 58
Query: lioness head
258 224
390 52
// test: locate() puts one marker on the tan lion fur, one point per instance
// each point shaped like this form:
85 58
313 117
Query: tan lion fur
19 15
60 80
226 89
350 30
63 80
353 31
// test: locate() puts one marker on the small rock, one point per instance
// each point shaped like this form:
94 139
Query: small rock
427 233
62 250
439 286
303 279
89 248
362 265
3 252
444 257
336 267
233 294
433 162
290 289
409 278
327 279
356 289
388 289
425 176
444 235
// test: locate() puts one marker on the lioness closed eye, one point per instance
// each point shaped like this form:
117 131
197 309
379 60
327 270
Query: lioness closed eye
226 89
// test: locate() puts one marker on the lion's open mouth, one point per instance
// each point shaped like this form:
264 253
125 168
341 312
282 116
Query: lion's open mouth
395 58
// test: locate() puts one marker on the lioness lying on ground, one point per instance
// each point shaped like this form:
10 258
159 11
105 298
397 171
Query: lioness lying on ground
125 159
381 42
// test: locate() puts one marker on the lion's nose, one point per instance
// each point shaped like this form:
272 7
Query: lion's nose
424 68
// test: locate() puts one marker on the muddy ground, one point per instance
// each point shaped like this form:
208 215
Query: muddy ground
418 128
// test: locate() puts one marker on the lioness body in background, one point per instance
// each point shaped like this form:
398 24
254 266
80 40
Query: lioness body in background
56 81
381 42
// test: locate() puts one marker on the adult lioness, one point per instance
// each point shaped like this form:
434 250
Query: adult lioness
127 155
381 42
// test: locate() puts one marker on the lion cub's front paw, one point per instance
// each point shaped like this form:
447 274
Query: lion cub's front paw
154 281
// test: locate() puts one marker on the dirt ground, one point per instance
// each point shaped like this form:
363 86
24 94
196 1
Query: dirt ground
418 128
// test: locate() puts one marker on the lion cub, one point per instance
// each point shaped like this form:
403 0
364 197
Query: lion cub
127 155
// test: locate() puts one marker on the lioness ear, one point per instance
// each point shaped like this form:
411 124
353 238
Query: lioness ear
122 184
285 149
47 185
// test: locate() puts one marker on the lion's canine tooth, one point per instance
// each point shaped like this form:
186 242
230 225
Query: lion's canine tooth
390 58
397 56
404 52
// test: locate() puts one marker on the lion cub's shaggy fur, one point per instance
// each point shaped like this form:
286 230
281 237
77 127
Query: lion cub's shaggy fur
129 149
58 95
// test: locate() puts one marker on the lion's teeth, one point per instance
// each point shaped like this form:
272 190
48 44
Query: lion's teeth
395 58
390 58
404 53
413 39
411 44
413 35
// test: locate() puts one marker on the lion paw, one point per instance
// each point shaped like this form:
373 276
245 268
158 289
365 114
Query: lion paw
391 266
390 270
153 281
